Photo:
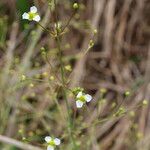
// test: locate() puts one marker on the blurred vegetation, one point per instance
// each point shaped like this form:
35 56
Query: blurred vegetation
105 50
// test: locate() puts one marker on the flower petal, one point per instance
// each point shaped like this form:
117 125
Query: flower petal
79 104
48 139
25 16
88 98
37 18
49 147
79 94
57 141
33 9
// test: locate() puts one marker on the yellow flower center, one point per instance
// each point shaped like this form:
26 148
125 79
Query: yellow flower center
32 15
82 98
52 143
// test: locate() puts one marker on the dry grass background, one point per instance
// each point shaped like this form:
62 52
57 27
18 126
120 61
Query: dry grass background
119 61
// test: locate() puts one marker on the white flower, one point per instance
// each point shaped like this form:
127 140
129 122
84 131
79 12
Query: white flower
88 97
25 16
52 142
33 9
48 139
37 18
32 15
82 98
79 104
57 141
49 147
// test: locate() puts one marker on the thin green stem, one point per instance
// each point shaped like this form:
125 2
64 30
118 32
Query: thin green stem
64 92
51 68
45 29
63 79
67 24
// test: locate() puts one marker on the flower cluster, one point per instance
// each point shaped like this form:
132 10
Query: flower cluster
82 98
52 142
32 15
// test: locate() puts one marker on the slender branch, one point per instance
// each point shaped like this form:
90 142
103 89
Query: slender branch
64 92
48 31
68 21
63 81
51 67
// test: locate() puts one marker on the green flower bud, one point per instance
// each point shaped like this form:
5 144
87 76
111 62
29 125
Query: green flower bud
23 77
145 102
75 6
127 93
68 68
91 44
42 49
76 90
51 78
95 31
132 113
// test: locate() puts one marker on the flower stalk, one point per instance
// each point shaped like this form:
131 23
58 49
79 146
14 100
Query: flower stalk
62 68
